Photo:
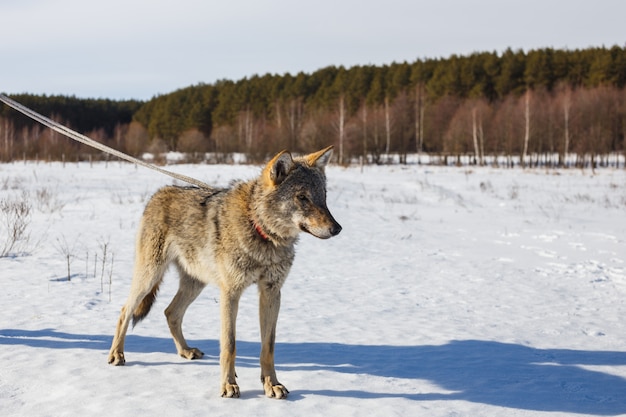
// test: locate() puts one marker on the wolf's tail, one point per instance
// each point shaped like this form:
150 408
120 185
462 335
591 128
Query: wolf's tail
146 304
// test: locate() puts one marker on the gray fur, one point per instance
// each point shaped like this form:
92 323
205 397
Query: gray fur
232 238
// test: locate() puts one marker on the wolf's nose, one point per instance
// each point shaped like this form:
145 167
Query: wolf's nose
336 229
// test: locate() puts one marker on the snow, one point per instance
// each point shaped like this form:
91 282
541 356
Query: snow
449 292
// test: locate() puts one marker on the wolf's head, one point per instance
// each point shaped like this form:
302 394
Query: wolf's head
294 191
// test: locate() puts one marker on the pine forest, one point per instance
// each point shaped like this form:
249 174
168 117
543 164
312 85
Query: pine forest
544 107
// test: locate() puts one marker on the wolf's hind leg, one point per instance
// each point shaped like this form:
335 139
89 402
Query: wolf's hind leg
188 290
143 289
116 354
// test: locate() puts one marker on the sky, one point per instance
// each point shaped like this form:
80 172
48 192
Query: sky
137 49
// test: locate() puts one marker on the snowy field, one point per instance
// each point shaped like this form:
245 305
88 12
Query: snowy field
449 292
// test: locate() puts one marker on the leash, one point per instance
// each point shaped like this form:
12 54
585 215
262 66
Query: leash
57 127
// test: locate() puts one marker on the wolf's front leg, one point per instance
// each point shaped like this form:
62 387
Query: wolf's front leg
269 306
228 351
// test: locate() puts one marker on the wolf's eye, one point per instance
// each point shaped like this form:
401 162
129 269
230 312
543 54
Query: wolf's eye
303 198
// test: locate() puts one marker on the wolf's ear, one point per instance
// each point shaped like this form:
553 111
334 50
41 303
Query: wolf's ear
319 159
278 168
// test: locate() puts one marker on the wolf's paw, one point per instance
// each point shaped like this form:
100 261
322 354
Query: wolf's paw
276 390
117 358
230 391
191 353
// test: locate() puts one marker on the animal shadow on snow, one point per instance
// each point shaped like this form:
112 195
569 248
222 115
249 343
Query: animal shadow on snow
487 372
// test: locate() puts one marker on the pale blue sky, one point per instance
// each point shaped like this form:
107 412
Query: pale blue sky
140 48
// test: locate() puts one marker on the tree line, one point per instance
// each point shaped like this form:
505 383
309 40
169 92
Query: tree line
536 107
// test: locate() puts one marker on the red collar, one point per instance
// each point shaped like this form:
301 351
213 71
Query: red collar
260 231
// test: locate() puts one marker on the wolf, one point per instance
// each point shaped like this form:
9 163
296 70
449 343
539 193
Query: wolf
231 237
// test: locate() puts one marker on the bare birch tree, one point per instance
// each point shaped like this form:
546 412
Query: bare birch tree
295 118
387 127
364 121
419 119
567 105
477 156
8 144
479 107
526 126
246 129
341 125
